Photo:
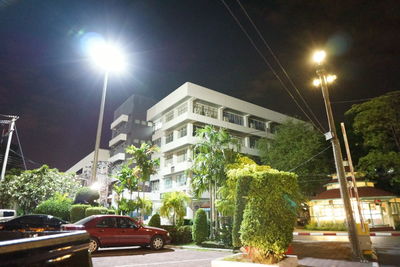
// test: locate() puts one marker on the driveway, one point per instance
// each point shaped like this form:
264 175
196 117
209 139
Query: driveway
168 257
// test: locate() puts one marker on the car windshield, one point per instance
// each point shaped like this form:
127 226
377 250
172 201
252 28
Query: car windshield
84 220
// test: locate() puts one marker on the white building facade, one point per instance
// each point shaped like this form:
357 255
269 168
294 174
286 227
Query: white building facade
176 118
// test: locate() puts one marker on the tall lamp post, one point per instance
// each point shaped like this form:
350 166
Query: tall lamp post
323 80
108 58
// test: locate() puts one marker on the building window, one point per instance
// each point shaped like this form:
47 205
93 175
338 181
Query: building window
169 116
169 138
239 139
137 121
253 141
155 185
157 142
181 179
167 182
256 124
181 156
182 132
205 110
168 160
233 118
157 125
182 109
144 123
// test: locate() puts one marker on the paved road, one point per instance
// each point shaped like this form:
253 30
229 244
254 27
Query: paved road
132 257
387 248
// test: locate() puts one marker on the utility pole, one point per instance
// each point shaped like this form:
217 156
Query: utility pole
10 132
337 153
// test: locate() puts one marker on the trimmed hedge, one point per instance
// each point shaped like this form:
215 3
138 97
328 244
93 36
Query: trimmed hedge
77 212
95 210
180 234
110 211
326 226
56 207
270 214
155 220
200 229
242 189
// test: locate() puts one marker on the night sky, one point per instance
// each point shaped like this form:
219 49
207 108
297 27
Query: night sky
46 79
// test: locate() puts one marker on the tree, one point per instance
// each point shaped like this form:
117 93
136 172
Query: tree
299 148
31 187
143 168
174 206
377 122
215 150
155 220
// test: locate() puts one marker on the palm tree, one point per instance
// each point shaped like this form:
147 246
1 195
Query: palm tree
174 206
215 150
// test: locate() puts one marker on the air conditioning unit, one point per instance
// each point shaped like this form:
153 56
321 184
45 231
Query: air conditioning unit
172 168
252 125
226 119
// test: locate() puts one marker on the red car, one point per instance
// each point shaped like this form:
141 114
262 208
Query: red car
118 231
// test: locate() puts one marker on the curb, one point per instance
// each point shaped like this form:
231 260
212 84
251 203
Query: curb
341 234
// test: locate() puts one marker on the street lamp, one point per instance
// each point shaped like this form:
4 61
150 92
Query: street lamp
323 80
108 57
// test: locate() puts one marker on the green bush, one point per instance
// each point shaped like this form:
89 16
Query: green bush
187 222
225 232
111 211
95 210
200 231
155 220
179 234
212 244
270 214
77 212
57 206
242 189
86 195
326 226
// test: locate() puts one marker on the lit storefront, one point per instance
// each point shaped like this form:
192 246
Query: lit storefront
379 208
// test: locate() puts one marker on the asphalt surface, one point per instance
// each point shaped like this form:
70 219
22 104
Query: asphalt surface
311 251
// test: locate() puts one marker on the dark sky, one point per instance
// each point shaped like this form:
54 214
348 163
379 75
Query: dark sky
46 80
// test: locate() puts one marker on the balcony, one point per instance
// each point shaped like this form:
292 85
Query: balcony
117 157
116 140
119 120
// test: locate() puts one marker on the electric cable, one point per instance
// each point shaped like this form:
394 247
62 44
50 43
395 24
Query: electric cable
279 64
268 64
308 160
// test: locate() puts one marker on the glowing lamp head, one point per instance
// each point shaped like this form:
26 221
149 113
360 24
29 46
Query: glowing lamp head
331 78
106 56
316 82
319 56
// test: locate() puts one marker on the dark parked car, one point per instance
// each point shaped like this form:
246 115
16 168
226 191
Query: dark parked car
33 222
116 231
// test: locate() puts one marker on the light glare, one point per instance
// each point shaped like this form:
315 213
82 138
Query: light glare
95 186
316 82
319 56
107 56
331 78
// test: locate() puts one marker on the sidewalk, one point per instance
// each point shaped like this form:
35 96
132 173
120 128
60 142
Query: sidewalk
318 253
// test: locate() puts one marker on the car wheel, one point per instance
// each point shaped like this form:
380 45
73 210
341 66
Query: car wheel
157 242
93 244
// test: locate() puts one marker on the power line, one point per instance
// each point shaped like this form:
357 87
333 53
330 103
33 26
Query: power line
268 64
20 147
279 63
310 159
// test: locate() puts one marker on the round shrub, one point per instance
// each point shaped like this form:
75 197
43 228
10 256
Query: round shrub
155 220
95 210
200 231
86 195
111 211
77 212
56 206
270 215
